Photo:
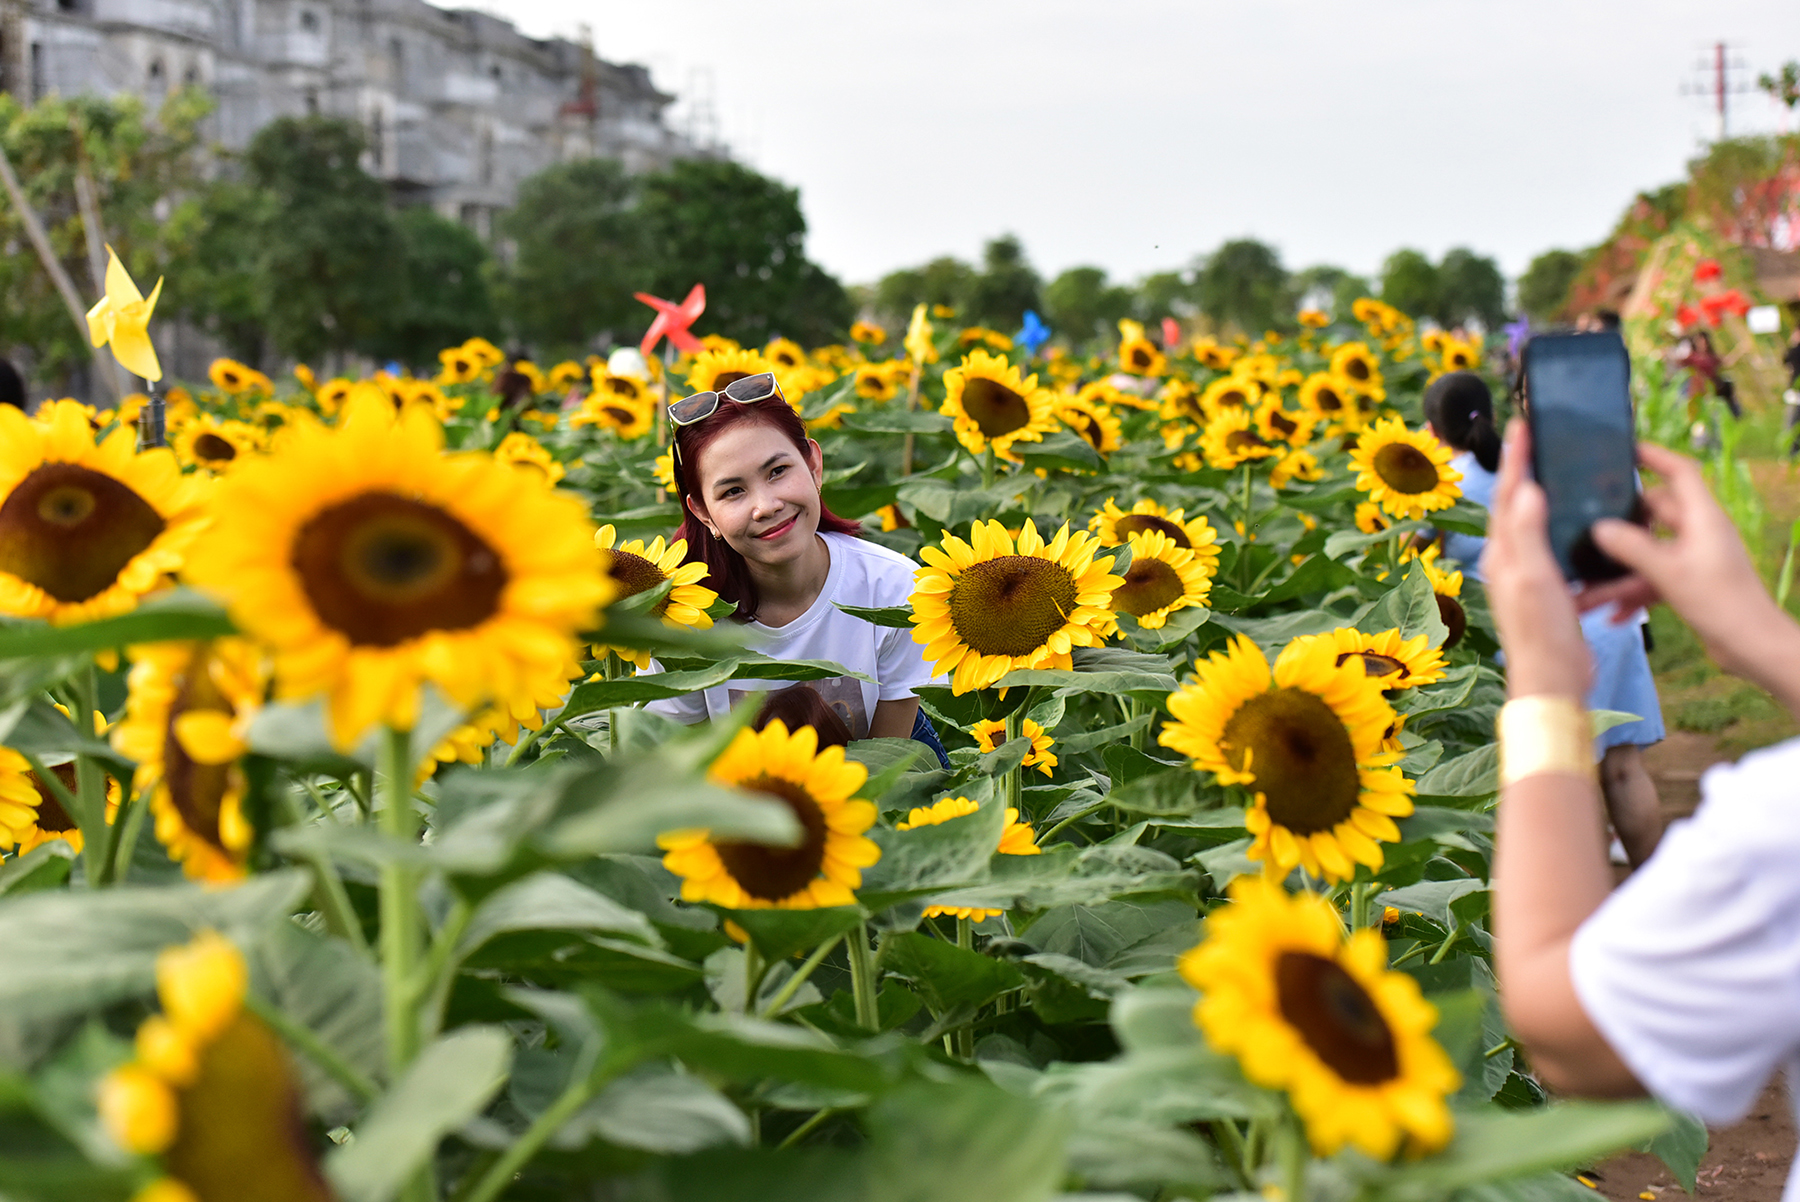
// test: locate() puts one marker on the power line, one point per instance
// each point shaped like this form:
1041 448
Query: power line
1718 79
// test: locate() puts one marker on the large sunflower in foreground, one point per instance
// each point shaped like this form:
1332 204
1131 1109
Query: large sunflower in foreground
87 529
985 607
1398 663
637 568
369 561
1163 579
1230 440
1305 737
186 724
1406 472
713 369
1016 839
1306 1011
820 788
1115 526
994 404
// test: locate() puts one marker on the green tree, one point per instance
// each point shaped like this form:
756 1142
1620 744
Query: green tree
1409 282
743 236
1544 288
1081 305
1243 284
215 281
1470 286
576 253
1162 294
943 281
331 259
445 300
1330 289
1006 287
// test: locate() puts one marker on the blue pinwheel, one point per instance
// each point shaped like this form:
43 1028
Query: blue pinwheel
1033 334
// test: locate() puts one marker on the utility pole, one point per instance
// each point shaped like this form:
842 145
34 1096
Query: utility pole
1715 82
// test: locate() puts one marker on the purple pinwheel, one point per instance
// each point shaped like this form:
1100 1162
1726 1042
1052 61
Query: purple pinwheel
1517 333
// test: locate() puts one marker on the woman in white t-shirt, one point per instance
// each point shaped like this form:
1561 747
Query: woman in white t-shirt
1685 980
749 478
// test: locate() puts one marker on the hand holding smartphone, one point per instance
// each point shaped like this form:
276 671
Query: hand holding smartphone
1583 449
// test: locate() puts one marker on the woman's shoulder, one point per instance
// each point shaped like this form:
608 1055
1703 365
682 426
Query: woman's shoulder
871 565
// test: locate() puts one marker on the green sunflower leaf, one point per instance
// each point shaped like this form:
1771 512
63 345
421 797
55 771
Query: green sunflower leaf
1060 449
897 616
176 614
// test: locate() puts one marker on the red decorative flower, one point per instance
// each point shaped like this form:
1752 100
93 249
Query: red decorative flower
1706 270
1687 315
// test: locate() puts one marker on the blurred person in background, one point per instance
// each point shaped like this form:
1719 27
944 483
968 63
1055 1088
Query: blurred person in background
1685 980
12 387
1790 399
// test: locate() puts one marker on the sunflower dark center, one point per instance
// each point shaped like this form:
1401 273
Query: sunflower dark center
727 377
1336 1017
1301 756
1238 440
1237 398
623 416
1142 523
197 790
1011 605
71 530
1150 584
1283 424
1358 369
772 873
622 386
1328 400
996 409
1141 357
635 574
50 813
381 569
1450 612
1089 428
1375 665
1405 468
214 449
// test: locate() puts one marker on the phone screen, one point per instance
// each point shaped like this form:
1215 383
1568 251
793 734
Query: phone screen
1582 450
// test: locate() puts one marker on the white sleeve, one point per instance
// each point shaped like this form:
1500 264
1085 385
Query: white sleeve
689 709
1691 969
899 664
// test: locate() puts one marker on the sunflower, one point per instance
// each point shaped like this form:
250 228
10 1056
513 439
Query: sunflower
1016 839
1115 526
459 366
1370 519
874 382
186 720
713 369
1162 579
1295 465
215 446
369 561
566 374
987 608
484 352
1178 400
785 353
1330 398
1306 1011
819 787
636 568
1406 472
626 389
1228 440
30 811
1279 424
332 394
891 518
1306 738
87 529
989 734
1101 392
611 410
210 1089
1140 357
1230 392
993 404
1396 662
1313 319
523 451
1095 423
1356 366
1447 587
534 375
1460 356
869 332
1211 353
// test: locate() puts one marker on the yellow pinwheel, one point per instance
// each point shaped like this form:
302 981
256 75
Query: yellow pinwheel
918 338
122 317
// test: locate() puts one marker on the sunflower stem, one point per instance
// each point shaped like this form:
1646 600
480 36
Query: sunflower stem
500 1174
754 968
1444 948
399 906
1010 785
1230 1142
532 739
807 1128
1077 816
115 833
303 1040
131 826
1293 1161
862 979
988 464
1136 709
90 783
1359 905
328 887
791 986
1243 563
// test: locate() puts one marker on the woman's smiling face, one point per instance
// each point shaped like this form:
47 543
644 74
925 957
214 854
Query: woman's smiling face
760 492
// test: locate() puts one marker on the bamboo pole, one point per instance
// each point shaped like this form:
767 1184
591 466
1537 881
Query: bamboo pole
40 240
87 200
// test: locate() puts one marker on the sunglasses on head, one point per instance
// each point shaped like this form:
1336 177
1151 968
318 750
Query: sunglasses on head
745 391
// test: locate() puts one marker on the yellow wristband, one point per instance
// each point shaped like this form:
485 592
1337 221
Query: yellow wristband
1544 734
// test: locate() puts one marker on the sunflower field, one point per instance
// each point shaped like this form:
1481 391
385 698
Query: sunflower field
341 860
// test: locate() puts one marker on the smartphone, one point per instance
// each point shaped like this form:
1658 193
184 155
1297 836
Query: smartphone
1583 452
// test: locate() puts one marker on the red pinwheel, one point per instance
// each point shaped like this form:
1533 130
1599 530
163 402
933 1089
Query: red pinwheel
1171 332
673 320
1687 315
1707 269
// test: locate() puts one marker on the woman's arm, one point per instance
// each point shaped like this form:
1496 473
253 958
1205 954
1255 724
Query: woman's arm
894 719
1550 866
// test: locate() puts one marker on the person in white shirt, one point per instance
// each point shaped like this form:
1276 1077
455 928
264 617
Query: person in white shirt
1685 981
749 480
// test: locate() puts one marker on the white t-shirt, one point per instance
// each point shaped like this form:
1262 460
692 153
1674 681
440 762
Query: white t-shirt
862 573
1691 969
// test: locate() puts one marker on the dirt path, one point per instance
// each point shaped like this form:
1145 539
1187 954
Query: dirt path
1747 1162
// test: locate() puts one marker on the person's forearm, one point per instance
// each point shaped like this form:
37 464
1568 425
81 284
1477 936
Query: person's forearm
1771 660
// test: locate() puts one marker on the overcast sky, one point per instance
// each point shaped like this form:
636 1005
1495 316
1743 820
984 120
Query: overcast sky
1135 134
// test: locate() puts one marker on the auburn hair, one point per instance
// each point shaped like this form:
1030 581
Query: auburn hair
729 575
